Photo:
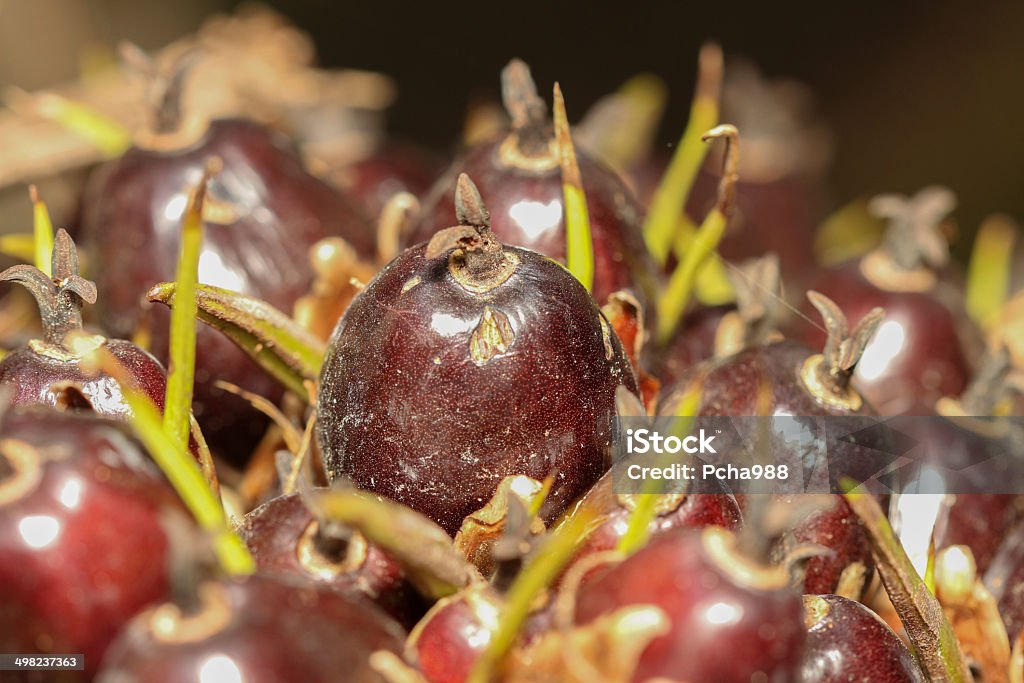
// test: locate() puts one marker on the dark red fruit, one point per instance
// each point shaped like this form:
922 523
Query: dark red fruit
731 620
82 548
1005 580
840 532
464 362
393 168
922 352
284 538
49 370
846 641
263 213
449 640
981 521
519 174
258 630
674 511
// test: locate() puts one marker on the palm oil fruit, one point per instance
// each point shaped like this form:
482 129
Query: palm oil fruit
466 361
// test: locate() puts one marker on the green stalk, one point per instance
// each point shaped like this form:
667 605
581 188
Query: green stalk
545 564
42 232
676 297
639 529
276 342
670 197
21 247
173 459
579 248
103 132
933 639
181 373
988 275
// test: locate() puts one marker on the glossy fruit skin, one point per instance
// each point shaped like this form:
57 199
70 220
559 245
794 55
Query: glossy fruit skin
131 222
273 532
449 640
83 549
839 530
527 211
1005 580
36 377
921 352
696 510
721 630
277 631
405 409
846 641
730 388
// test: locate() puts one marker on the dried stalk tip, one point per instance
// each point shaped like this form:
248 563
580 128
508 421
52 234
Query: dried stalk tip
843 348
730 165
60 299
164 86
519 94
469 205
563 136
709 72
913 239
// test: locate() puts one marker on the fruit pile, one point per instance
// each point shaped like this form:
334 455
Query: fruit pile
275 412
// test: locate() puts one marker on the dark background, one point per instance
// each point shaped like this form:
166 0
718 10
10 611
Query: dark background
915 92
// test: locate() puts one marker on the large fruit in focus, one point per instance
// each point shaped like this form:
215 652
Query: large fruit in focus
464 362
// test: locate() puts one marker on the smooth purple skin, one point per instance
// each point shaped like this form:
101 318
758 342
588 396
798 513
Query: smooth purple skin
131 225
527 211
1005 580
272 532
32 376
404 411
927 340
720 631
841 531
278 631
84 550
851 643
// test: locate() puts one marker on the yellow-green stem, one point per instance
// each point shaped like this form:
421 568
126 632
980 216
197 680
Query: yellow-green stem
639 528
670 197
19 246
106 134
42 232
176 463
988 275
579 247
679 290
546 563
181 373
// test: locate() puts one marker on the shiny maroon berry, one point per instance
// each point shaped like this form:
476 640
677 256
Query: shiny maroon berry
980 521
519 174
258 629
263 213
82 546
48 370
730 619
846 565
674 511
846 641
285 538
449 640
464 362
923 350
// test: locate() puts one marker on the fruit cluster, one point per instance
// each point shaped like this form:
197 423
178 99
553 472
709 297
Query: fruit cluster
383 446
